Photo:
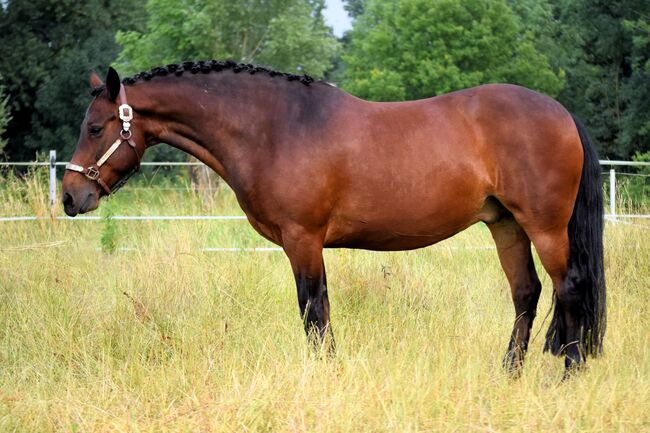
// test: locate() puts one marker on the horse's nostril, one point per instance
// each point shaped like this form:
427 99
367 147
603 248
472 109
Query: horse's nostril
68 201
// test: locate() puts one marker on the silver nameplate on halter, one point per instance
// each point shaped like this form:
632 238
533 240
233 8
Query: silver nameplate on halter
74 167
109 152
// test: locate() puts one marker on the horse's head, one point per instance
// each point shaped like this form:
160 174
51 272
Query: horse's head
109 149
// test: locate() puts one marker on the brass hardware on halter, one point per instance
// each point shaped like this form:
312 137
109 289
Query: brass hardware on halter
92 173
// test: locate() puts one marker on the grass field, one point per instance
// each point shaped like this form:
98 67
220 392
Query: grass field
164 337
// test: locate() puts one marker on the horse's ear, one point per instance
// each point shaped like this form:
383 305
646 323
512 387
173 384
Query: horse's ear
95 81
112 84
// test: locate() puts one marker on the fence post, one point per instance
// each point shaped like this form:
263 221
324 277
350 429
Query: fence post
612 194
52 180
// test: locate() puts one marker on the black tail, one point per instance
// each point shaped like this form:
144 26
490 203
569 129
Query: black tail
586 266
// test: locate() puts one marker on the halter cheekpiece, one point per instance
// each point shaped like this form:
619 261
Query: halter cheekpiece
125 113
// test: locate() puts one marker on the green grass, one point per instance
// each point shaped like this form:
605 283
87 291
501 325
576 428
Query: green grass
213 341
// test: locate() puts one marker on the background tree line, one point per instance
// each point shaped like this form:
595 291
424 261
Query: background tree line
592 55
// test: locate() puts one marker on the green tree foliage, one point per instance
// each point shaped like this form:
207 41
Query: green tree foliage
554 37
289 35
635 120
604 49
63 97
593 55
410 49
47 49
354 8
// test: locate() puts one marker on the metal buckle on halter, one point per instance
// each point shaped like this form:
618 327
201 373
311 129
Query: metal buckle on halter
92 173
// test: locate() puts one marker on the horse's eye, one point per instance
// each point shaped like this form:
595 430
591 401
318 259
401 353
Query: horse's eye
95 130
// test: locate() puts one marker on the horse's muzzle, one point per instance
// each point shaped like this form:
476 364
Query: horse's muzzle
79 203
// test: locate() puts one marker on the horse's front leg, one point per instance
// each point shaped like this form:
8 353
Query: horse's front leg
305 252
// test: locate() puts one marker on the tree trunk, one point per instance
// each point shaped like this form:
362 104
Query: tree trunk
205 182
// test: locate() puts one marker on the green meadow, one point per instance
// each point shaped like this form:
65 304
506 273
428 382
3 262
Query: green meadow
130 326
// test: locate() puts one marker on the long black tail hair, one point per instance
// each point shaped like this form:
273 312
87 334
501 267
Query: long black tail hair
585 258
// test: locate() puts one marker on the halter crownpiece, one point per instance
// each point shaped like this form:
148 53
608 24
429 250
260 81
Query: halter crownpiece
125 113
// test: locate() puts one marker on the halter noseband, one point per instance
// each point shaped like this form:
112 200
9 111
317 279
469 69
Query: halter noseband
92 172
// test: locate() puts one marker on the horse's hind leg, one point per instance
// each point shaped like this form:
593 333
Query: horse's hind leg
553 250
305 253
516 259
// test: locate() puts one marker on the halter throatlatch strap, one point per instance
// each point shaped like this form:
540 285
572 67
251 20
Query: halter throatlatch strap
125 113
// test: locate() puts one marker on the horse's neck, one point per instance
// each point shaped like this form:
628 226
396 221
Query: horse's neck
214 120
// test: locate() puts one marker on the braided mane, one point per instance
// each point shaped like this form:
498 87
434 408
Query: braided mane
207 66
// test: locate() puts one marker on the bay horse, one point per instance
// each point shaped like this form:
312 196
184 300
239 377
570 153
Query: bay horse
314 167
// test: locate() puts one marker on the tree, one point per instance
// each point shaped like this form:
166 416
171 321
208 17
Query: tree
553 36
635 121
607 83
289 35
409 49
47 50
5 115
354 8
64 94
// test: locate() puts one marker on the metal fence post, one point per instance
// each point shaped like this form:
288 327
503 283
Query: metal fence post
612 193
52 180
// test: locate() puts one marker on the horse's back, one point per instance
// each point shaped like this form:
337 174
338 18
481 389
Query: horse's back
406 175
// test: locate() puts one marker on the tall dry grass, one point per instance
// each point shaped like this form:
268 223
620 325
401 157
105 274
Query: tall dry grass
167 338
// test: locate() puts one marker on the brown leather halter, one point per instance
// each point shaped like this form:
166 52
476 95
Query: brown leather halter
125 113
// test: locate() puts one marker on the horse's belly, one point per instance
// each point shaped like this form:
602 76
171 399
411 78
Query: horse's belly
408 215
395 235
383 243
